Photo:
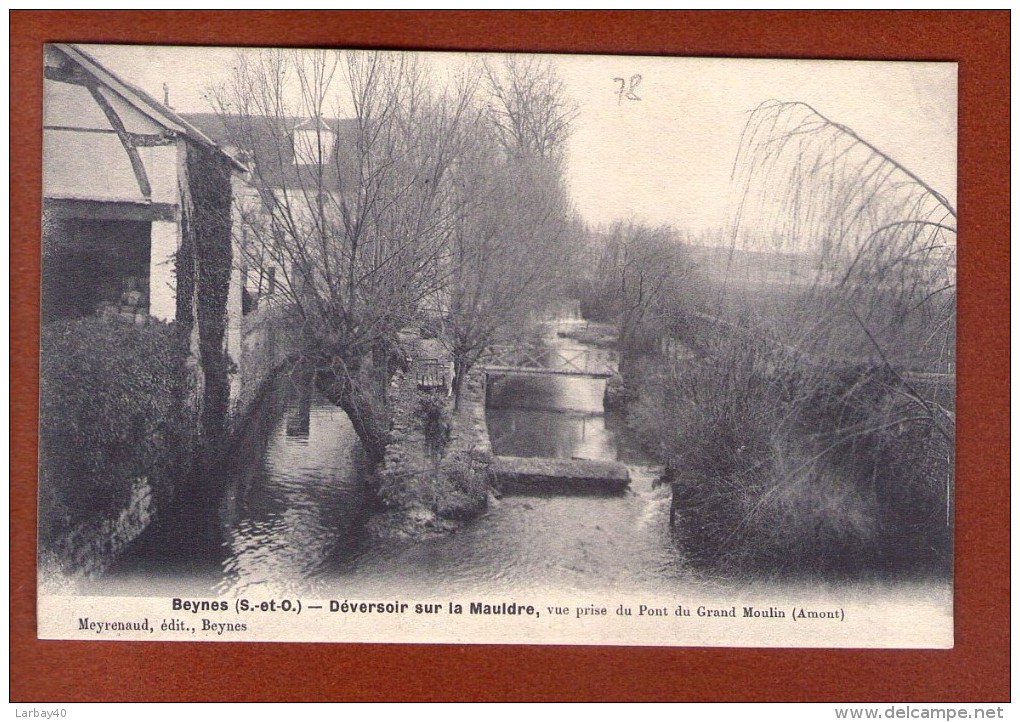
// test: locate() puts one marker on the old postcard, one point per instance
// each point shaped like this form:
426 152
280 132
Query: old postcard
349 346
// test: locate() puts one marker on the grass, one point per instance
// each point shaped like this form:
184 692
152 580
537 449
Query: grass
776 468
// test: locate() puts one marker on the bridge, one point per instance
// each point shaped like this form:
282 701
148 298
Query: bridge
588 363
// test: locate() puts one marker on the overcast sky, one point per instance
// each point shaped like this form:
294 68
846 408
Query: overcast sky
666 158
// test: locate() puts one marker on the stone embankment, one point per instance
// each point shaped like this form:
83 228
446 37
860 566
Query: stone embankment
435 473
90 549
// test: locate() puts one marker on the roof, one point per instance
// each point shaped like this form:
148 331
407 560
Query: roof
268 141
142 101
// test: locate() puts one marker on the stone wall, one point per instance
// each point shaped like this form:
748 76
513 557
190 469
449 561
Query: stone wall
265 343
427 490
90 549
470 432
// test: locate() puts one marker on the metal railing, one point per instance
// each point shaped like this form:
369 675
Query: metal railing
565 361
430 374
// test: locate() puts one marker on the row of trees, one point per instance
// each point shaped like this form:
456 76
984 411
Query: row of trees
437 202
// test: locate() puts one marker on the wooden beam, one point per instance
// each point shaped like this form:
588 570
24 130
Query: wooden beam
67 73
125 138
109 210
138 140
149 140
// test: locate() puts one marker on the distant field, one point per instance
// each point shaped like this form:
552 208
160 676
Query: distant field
830 321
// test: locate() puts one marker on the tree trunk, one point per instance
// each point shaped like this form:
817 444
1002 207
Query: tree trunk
461 367
367 414
624 351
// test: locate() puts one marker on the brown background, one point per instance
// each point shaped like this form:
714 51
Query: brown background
977 669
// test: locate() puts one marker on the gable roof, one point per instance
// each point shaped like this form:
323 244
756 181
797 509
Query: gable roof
142 101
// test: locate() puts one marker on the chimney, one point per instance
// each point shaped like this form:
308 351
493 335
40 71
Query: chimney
166 96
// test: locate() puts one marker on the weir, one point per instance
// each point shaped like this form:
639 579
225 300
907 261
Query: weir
542 476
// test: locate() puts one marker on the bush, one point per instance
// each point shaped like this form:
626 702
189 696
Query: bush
436 422
784 468
113 400
464 489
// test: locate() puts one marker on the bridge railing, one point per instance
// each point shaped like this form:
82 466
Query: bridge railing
430 374
579 361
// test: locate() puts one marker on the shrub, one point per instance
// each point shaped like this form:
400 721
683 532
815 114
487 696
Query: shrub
436 422
113 400
784 468
462 489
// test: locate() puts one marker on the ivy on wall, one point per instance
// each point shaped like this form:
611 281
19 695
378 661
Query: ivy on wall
203 279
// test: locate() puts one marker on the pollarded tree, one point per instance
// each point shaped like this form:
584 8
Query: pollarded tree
354 215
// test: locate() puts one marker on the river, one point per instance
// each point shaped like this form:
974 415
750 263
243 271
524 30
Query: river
287 514
288 510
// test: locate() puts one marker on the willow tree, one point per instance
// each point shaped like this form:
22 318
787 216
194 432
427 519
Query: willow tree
354 215
833 368
880 240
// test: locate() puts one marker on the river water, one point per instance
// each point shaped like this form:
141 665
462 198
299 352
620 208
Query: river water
287 514
288 510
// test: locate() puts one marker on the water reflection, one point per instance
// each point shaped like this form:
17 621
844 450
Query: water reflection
291 498
287 514
549 416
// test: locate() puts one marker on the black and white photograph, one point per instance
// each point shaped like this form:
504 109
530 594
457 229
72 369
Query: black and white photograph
395 346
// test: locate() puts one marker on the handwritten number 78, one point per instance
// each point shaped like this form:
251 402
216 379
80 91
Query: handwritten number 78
627 88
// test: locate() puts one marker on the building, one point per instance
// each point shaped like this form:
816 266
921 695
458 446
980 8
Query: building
290 153
117 192
137 206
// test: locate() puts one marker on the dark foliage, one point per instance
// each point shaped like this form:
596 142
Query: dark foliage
112 410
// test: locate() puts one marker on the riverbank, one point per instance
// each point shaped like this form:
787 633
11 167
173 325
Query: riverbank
435 474
781 468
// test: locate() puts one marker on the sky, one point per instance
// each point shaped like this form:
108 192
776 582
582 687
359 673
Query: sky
665 154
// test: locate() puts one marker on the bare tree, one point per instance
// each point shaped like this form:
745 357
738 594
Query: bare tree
638 280
882 286
507 253
354 215
510 247
529 107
